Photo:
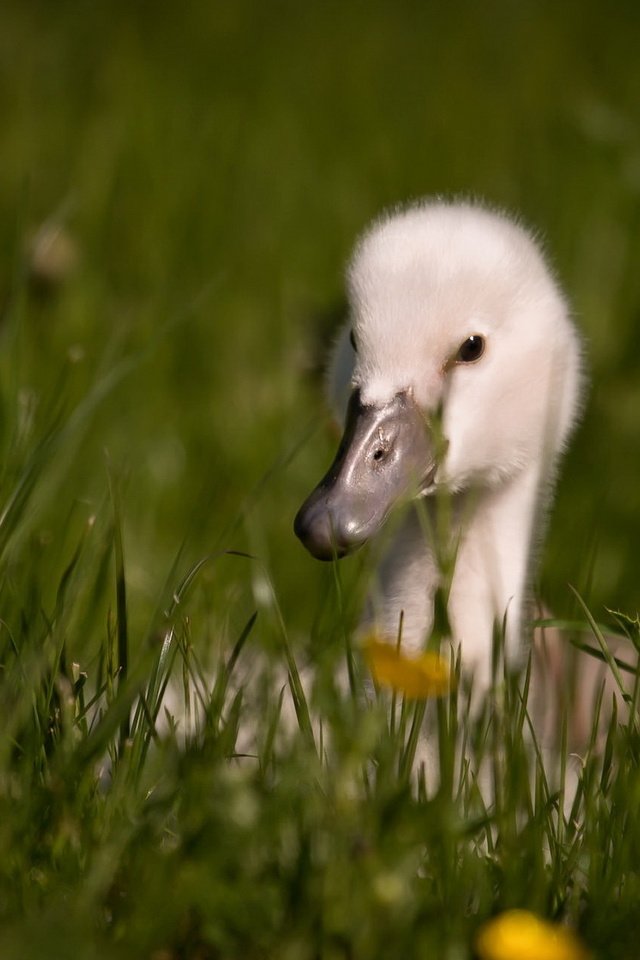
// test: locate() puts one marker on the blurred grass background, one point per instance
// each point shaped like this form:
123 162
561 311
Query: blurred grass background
213 166
202 171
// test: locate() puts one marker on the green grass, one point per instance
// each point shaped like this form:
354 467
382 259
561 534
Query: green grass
161 419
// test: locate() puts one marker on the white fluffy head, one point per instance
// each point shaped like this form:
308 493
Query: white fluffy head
420 283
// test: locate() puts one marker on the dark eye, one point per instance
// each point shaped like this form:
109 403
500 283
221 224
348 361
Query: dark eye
471 350
352 341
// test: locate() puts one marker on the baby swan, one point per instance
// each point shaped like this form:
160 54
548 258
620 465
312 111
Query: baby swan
459 370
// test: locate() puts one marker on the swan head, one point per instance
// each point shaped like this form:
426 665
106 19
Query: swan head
457 330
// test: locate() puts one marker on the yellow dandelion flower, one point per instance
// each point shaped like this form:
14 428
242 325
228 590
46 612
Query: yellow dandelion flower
416 677
520 935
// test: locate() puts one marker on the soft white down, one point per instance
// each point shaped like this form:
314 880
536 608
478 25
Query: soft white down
421 282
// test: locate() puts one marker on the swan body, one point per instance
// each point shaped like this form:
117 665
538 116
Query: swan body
457 373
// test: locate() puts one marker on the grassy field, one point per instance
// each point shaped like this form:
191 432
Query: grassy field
179 190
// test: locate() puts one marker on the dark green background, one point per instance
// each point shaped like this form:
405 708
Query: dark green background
214 162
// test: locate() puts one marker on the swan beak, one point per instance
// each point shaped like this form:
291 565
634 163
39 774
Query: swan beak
386 454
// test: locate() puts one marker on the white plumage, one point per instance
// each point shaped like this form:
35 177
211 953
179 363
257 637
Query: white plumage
421 282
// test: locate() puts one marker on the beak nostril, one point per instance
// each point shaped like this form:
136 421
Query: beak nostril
384 450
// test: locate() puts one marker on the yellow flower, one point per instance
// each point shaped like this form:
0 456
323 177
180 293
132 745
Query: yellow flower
417 677
520 935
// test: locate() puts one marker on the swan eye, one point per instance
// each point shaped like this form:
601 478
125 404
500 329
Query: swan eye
352 341
471 350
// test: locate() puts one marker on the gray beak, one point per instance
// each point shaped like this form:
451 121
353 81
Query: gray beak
386 453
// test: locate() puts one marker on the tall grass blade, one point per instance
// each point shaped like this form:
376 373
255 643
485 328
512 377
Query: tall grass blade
122 630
